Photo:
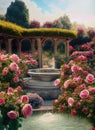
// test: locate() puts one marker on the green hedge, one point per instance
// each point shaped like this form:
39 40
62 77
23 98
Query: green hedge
15 30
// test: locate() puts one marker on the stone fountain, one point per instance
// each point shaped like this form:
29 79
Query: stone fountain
41 81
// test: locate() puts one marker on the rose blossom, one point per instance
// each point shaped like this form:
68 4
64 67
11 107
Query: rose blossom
84 94
93 128
92 90
3 57
25 98
62 107
73 112
89 78
84 110
70 101
12 114
82 86
75 68
10 91
15 58
16 79
4 72
67 83
78 79
78 105
13 66
2 101
27 110
57 82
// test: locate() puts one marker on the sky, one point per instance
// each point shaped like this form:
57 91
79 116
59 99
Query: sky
80 11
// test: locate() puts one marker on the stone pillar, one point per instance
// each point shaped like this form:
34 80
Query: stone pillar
39 52
9 49
33 46
67 48
55 47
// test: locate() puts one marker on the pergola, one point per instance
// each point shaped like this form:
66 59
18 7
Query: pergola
9 32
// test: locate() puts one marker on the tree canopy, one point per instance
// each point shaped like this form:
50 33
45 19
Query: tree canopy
17 12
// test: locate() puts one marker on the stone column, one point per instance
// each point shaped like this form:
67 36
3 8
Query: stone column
9 49
39 52
67 48
55 47
33 46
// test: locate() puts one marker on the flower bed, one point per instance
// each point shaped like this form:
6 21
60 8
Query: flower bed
14 105
77 82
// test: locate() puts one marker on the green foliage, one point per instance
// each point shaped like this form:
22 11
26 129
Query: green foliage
12 29
17 13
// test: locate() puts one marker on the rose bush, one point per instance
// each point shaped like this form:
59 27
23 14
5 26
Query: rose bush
14 106
77 82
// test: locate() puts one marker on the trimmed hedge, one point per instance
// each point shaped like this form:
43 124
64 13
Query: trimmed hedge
15 30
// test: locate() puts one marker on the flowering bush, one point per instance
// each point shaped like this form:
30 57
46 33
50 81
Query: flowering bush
77 82
13 104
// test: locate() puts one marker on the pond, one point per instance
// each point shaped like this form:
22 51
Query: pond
55 121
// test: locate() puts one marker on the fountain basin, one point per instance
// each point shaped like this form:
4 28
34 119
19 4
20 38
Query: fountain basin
44 74
46 90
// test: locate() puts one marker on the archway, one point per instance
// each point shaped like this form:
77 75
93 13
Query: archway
26 46
48 54
14 46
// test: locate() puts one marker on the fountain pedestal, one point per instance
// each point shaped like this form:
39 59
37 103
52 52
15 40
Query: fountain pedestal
45 89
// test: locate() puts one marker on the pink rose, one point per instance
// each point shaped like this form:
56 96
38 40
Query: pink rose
78 105
13 66
92 90
4 72
13 114
70 101
19 88
67 83
84 110
57 82
16 79
82 86
66 67
78 79
15 58
82 58
93 128
75 68
27 110
25 98
62 107
3 57
2 101
18 72
10 91
84 94
73 112
89 79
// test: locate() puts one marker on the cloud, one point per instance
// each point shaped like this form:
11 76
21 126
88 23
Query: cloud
80 11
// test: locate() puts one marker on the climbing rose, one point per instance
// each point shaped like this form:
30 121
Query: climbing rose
67 83
27 110
25 98
89 78
84 94
70 101
16 79
57 82
13 66
2 101
14 58
4 72
12 114
73 112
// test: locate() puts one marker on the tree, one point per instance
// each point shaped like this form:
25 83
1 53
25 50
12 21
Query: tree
65 22
18 13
